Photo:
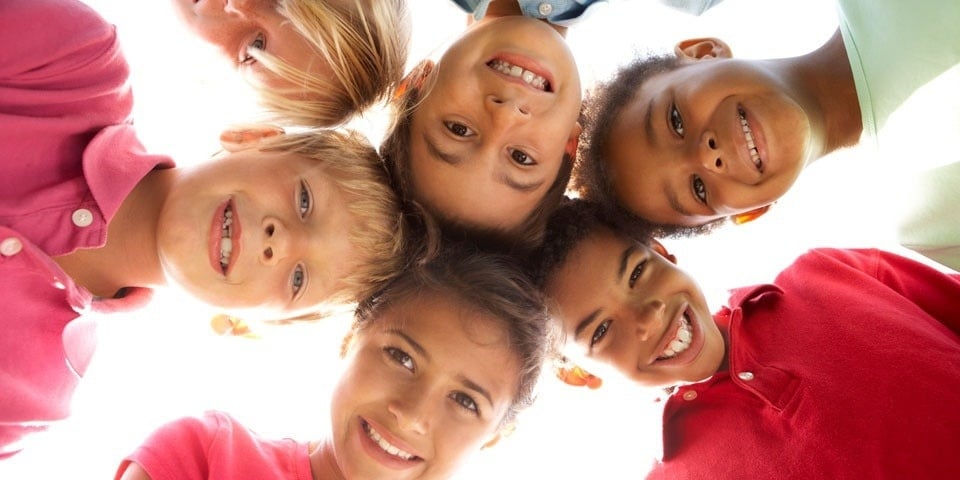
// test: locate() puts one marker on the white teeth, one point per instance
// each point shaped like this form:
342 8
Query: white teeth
681 342
226 242
748 136
527 76
385 445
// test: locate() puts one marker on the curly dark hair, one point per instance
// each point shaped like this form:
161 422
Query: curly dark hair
492 284
591 176
395 151
573 221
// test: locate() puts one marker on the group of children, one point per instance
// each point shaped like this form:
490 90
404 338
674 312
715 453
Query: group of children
469 267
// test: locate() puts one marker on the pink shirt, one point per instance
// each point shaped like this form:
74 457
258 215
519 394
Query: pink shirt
217 447
847 368
68 158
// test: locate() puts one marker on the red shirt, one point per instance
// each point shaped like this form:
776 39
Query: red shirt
217 447
848 367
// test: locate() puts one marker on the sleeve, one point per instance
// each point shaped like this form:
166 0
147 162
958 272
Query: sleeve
935 292
180 449
931 226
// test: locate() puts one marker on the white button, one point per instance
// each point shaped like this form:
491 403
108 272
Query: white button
745 376
10 246
82 217
690 395
545 9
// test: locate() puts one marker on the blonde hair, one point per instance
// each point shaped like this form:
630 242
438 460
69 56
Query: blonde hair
356 169
365 44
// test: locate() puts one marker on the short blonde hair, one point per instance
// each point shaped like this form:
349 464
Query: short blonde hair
365 43
356 169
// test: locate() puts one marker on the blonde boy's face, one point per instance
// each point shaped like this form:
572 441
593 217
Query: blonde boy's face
626 308
488 139
427 384
257 230
236 26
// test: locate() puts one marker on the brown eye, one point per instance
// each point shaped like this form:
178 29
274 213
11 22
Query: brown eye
459 129
600 332
676 120
699 189
521 158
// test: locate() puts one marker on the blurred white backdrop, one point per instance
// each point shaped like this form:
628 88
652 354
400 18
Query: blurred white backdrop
164 362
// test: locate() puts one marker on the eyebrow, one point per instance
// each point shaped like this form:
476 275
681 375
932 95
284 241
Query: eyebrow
621 270
648 122
674 201
522 187
470 384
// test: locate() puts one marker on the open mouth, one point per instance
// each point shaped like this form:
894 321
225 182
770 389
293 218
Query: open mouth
749 138
225 236
531 78
386 446
682 339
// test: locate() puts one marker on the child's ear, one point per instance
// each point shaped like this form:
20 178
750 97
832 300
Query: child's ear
573 141
659 248
240 137
696 49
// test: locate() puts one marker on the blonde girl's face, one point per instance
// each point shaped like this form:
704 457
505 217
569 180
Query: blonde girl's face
427 385
238 26
488 139
257 230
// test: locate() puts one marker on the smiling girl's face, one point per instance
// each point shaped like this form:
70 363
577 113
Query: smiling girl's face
427 384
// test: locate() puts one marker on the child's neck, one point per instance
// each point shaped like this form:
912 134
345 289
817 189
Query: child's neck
826 78
129 258
323 461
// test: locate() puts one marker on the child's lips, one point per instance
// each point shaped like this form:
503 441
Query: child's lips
524 71
385 447
750 132
224 240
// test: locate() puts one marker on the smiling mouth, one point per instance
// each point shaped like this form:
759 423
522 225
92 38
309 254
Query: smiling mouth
748 137
681 342
530 78
387 446
226 238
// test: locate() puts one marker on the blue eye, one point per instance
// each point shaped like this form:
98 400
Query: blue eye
297 279
676 120
459 129
600 332
400 357
304 200
699 189
637 271
521 158
258 43
466 402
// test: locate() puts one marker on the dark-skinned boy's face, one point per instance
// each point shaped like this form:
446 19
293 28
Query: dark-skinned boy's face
709 139
625 307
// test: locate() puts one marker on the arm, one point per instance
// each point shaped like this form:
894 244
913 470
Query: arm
133 471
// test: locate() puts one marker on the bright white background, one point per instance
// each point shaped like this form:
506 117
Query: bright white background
164 362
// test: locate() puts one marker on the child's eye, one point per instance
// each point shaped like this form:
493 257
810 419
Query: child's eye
466 402
304 200
637 271
521 158
699 189
400 357
600 332
459 129
676 121
259 43
297 279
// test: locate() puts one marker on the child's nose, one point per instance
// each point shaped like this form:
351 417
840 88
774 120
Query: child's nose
709 154
647 317
276 241
412 411
507 108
